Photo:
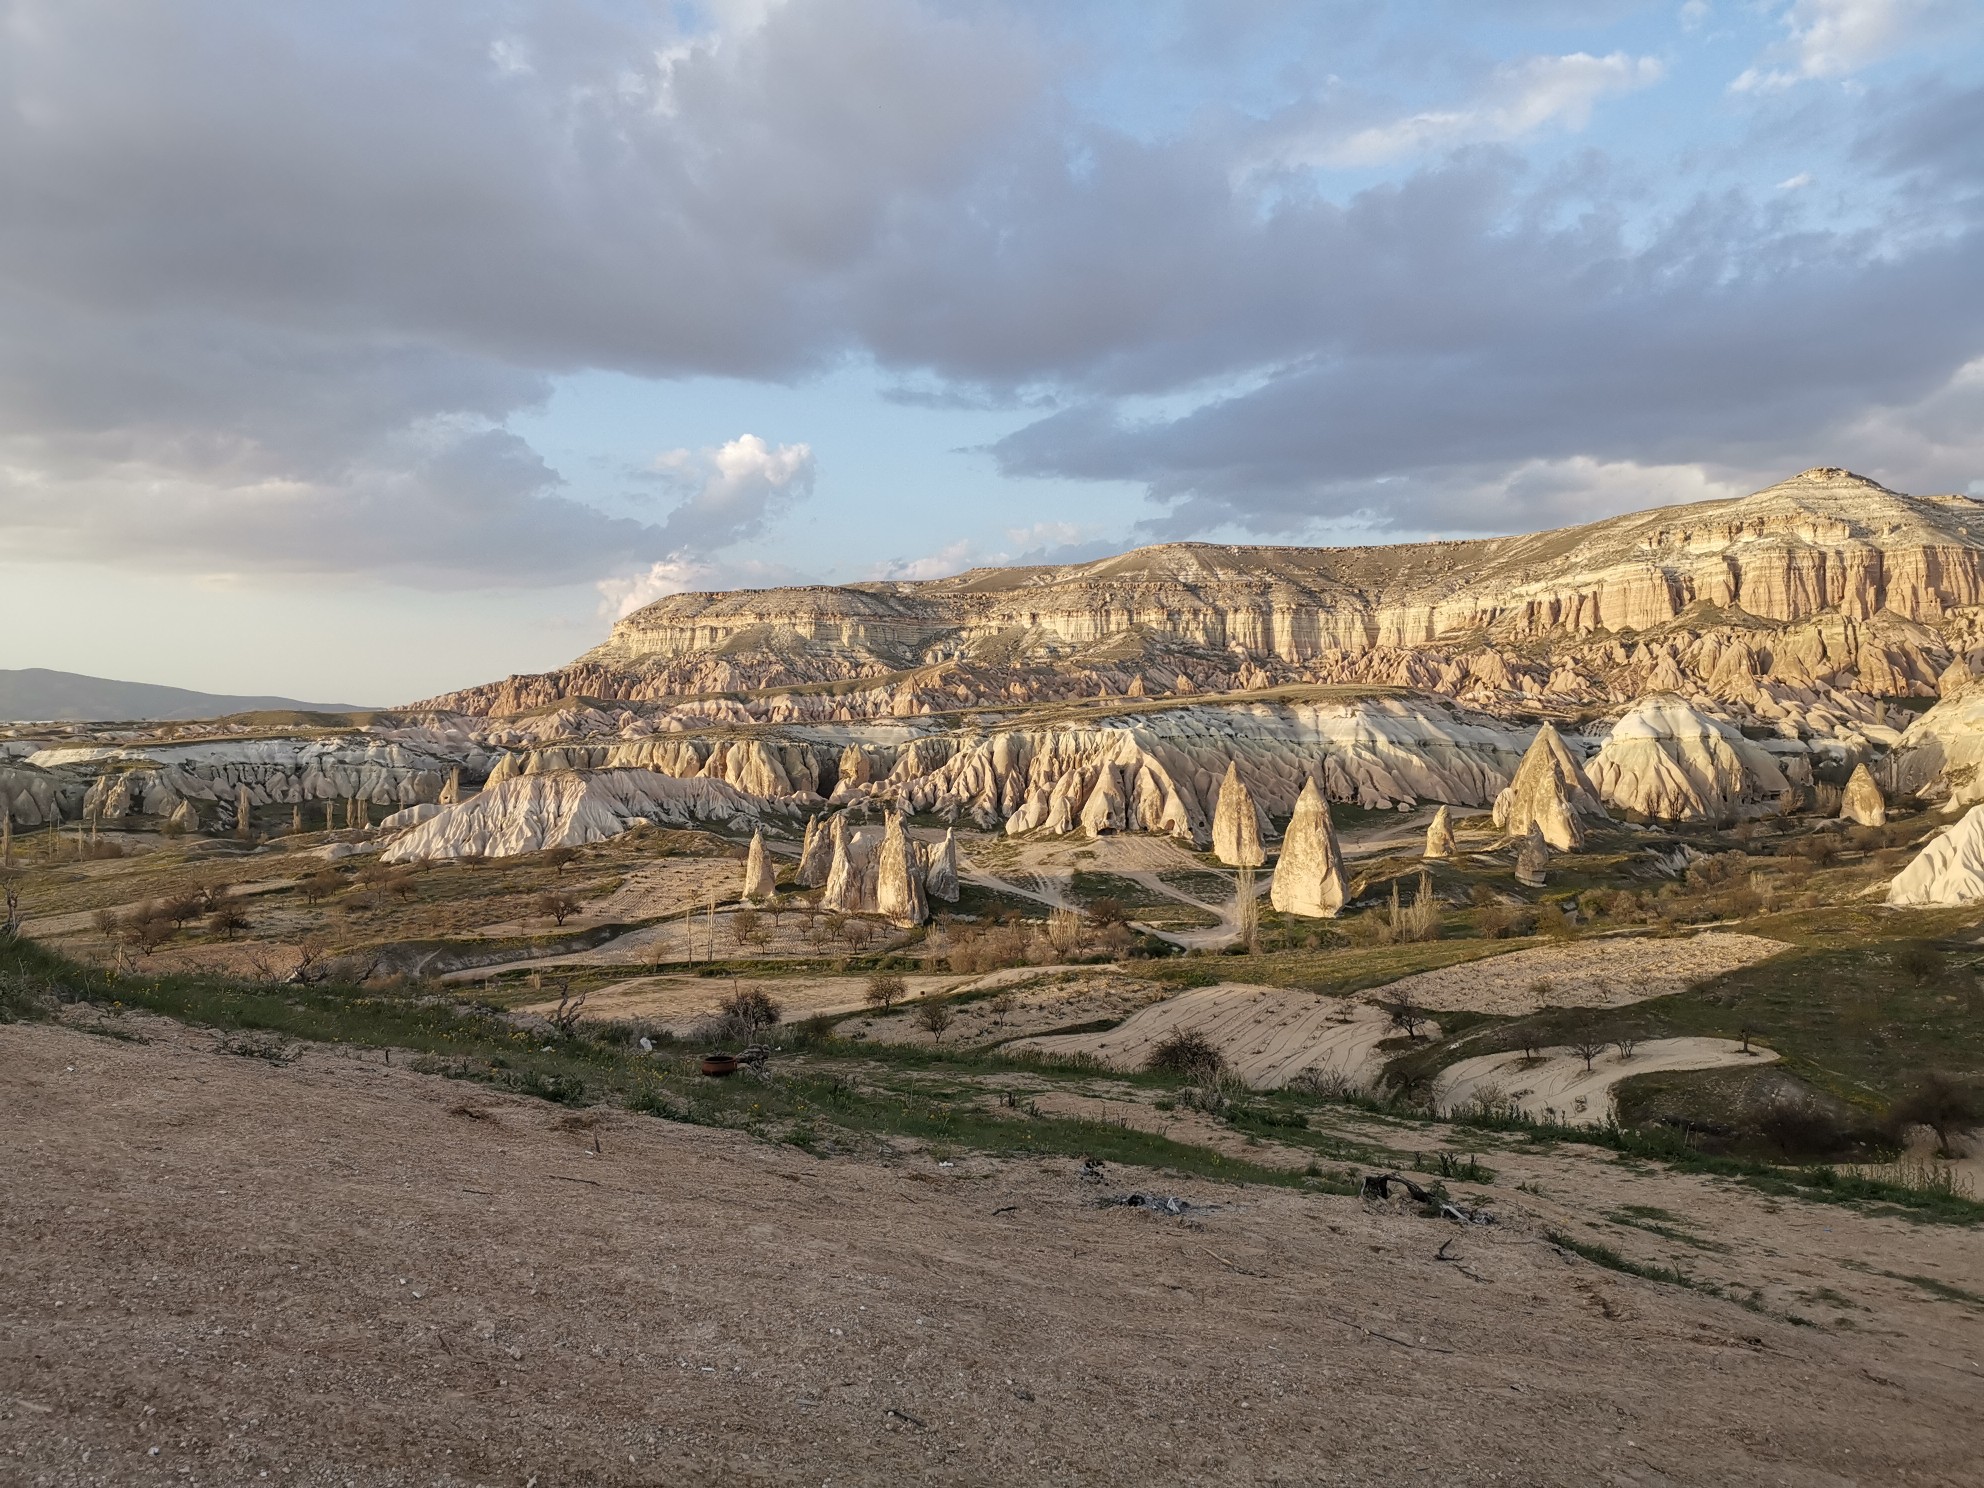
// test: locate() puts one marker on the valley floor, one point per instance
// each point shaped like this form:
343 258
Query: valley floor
225 1270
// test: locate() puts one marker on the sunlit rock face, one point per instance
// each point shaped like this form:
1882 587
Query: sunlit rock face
1862 801
1668 760
1948 871
1549 793
1825 583
1308 876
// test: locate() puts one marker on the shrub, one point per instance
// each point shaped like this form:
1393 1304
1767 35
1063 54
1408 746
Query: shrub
886 989
557 906
1187 1052
1941 1102
752 1010
1919 961
935 1017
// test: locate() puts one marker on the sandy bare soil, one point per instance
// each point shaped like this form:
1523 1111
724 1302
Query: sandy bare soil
1042 1000
1558 1086
680 1002
344 1272
1268 1035
1609 972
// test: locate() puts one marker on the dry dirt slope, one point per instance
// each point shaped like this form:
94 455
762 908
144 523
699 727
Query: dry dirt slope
212 1269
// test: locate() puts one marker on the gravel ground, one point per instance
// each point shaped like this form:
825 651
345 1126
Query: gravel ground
215 1268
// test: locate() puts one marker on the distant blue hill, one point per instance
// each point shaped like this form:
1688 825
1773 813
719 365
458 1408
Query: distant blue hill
35 694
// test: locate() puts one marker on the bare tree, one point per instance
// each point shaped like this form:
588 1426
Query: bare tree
1627 1045
561 858
1588 1047
1407 1014
1003 1003
556 905
935 1017
565 1018
886 989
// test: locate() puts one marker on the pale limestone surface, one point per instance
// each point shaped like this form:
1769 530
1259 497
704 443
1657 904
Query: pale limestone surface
760 876
1548 794
1674 761
1236 824
1308 877
1440 835
1862 801
1949 869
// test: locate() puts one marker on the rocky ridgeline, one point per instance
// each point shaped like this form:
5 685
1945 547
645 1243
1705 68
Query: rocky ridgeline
1803 606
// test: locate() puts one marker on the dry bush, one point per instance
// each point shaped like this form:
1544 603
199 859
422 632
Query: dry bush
1920 961
1187 1052
752 1010
1064 930
1941 1102
935 1017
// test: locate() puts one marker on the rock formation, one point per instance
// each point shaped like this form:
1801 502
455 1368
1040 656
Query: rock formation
842 892
1940 756
760 877
1236 824
241 827
1669 760
530 813
451 792
1948 871
816 855
899 878
940 880
1440 835
1308 878
1862 801
184 818
1549 792
1533 860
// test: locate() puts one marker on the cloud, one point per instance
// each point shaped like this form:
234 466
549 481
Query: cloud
954 558
1835 38
1521 98
739 488
1796 183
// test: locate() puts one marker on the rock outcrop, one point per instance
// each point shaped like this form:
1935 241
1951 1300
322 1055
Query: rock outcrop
760 877
940 879
899 878
1236 824
570 809
1948 871
841 894
1440 835
816 855
1668 760
1549 793
1533 859
1308 877
1862 801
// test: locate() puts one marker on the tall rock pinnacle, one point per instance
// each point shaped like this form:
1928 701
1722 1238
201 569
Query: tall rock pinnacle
1236 825
1308 880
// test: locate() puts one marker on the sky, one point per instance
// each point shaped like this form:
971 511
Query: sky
358 352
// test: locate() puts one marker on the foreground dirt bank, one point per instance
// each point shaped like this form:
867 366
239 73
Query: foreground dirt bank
214 1267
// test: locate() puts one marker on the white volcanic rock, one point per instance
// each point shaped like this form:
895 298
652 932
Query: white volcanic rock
760 877
816 855
1440 835
151 779
30 795
899 878
451 791
1861 801
1236 823
1669 760
532 812
1308 879
1533 860
410 816
1949 870
1940 756
1549 792
940 879
185 816
843 890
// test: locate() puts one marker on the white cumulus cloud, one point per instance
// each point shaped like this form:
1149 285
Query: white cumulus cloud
1834 38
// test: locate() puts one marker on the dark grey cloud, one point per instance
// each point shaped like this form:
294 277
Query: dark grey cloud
273 277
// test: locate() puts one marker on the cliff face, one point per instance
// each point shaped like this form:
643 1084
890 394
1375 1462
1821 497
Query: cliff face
1823 575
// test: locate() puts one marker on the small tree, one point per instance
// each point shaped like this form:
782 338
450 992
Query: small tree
935 1017
565 1017
749 927
557 906
1407 1014
1064 930
886 989
181 909
561 858
1588 1047
1919 962
401 885
1540 992
1940 1102
1003 1003
145 931
227 920
750 1011
1626 1044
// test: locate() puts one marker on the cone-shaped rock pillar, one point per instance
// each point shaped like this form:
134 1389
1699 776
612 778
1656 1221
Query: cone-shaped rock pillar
451 792
241 810
1236 825
843 887
1533 861
899 879
1862 801
1548 792
1308 880
941 879
760 877
1440 836
816 855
